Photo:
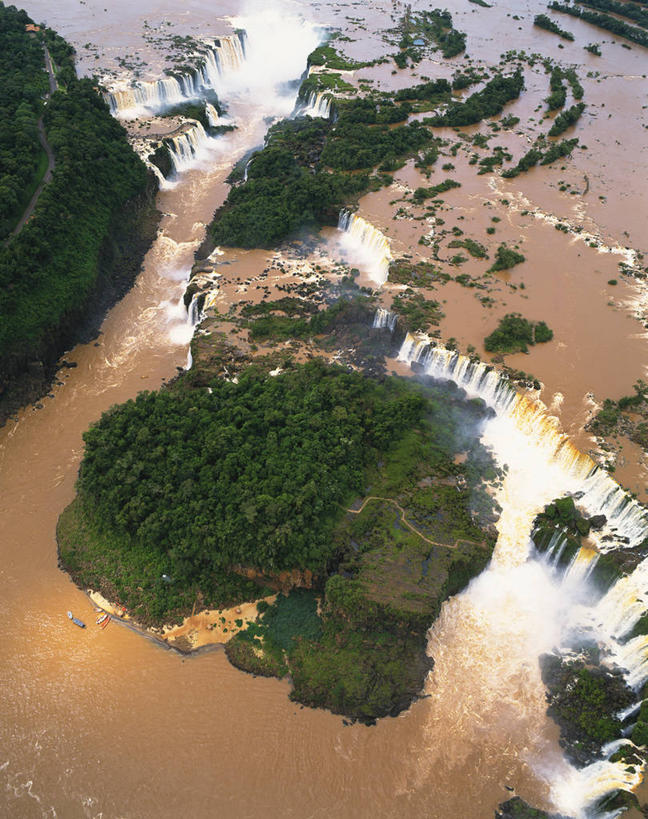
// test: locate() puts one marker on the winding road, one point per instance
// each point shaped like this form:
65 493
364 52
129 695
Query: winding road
410 526
53 86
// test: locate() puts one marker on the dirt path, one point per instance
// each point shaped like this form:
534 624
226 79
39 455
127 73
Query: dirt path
53 86
409 525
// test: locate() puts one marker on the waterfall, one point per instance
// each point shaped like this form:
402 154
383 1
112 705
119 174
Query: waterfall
221 57
584 788
384 318
318 104
539 609
212 115
188 147
366 245
194 313
225 55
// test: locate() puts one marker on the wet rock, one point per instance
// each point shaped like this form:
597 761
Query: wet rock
598 522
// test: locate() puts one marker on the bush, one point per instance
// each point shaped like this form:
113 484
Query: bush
505 258
514 334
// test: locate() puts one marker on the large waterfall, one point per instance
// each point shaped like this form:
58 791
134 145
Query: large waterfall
188 147
220 57
365 245
521 607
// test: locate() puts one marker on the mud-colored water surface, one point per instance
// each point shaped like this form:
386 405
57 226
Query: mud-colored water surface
103 723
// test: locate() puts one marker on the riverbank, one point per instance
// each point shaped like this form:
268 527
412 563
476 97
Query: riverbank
198 631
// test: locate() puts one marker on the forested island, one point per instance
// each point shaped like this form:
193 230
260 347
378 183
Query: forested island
83 245
212 490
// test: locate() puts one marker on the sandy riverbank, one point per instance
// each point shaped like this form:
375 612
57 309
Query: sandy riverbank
204 628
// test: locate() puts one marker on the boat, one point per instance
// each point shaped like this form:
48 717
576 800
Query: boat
106 621
101 618
76 620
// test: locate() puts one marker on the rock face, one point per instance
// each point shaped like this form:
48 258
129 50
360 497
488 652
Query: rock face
127 241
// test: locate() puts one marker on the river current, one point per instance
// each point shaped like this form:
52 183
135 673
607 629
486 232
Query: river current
109 724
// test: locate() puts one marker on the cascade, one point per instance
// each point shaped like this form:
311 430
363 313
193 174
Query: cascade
194 312
543 465
366 244
212 115
384 318
318 104
221 57
188 147
224 55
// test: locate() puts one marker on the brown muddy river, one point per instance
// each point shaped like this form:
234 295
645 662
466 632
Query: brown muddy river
107 724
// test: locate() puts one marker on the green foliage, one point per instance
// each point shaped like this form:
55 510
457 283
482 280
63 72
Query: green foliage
542 21
50 269
558 94
505 258
630 10
432 27
421 194
23 81
327 55
514 333
358 140
572 78
430 91
289 185
605 21
261 482
583 701
559 150
566 118
530 158
292 617
476 249
593 48
268 325
192 110
482 104
417 312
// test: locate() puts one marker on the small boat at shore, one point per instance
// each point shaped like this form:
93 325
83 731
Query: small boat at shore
102 618
76 620
106 621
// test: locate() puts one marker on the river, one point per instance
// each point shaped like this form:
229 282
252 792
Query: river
107 724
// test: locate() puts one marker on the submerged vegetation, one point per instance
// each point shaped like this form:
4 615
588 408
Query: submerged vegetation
542 21
482 104
515 334
605 21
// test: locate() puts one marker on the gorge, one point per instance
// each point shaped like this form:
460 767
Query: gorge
371 300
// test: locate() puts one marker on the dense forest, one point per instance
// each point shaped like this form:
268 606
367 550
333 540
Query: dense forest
183 491
23 81
310 168
51 269
261 481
